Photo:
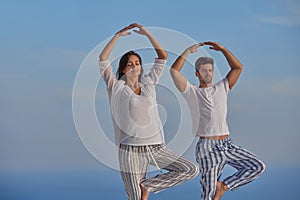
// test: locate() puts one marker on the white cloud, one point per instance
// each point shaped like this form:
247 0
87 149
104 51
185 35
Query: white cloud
56 57
288 14
281 20
288 87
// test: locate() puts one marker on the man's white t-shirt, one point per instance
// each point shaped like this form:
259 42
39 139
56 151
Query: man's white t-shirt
208 107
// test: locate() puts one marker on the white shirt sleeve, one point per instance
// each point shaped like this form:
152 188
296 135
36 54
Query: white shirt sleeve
187 89
226 85
190 95
107 73
156 71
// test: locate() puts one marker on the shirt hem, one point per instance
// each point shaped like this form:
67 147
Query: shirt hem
212 135
142 144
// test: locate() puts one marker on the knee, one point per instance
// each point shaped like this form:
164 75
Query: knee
192 171
260 167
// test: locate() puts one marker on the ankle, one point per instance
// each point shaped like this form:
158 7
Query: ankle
145 193
224 186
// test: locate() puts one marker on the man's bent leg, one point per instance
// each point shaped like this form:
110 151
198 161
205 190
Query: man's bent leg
248 166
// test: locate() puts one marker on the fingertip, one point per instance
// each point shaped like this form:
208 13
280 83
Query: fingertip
130 26
136 25
139 26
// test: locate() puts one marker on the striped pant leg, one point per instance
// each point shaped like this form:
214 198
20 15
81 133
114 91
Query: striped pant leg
133 167
211 164
179 170
248 167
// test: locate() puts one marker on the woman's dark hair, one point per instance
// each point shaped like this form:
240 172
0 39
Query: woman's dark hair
123 63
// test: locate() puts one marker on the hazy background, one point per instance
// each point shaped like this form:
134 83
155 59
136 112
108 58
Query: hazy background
43 44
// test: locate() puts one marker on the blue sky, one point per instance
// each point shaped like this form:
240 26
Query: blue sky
43 44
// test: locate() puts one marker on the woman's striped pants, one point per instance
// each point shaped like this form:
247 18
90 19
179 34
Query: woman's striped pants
134 161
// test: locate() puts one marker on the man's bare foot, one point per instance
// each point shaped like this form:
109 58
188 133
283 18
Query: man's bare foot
221 188
145 193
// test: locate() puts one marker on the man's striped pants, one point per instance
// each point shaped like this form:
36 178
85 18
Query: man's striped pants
213 155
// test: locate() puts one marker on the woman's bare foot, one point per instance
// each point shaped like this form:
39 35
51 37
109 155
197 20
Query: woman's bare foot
145 193
221 188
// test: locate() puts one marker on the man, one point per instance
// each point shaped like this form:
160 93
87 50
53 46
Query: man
208 107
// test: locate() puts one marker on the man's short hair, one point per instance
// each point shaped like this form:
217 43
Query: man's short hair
202 61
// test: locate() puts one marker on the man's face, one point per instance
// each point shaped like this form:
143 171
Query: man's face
206 73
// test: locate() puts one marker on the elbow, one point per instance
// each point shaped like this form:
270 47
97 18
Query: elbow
103 58
172 71
100 57
163 56
238 67
166 55
241 68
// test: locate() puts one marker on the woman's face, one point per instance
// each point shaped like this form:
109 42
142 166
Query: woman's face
133 67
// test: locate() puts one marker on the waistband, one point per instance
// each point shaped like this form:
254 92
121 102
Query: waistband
146 149
141 148
210 141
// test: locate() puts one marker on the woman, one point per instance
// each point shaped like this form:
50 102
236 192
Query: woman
138 129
